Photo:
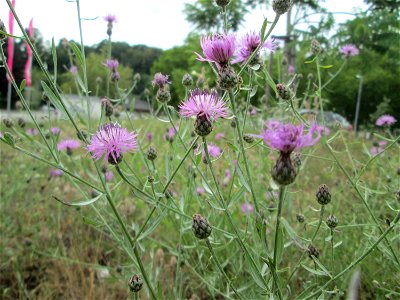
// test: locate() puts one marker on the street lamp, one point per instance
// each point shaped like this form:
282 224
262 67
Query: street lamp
361 78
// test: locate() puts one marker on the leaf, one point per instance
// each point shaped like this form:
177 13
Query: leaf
316 272
327 66
264 28
77 53
322 267
279 241
242 180
80 203
22 85
92 222
206 187
52 97
8 139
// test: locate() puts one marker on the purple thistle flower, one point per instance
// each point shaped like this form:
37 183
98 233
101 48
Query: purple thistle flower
109 176
385 120
218 48
32 131
55 130
169 136
247 208
111 140
249 43
382 143
68 144
219 136
73 70
288 137
375 150
213 150
253 111
160 80
349 50
112 64
323 130
110 18
291 70
149 136
200 191
56 172
272 124
204 104
227 177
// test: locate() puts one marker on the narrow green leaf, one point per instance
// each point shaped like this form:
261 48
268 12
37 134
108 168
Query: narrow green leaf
327 66
233 147
22 85
8 139
242 179
264 28
52 97
77 53
79 203
313 271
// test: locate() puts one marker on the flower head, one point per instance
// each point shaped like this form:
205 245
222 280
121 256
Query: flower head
291 70
288 137
385 120
32 131
323 130
109 176
55 130
213 150
110 18
149 136
249 43
218 48
169 136
112 64
349 50
219 136
73 70
68 145
111 140
247 208
56 172
204 104
200 191
160 80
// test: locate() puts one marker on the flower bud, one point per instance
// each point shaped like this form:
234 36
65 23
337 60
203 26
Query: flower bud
281 6
332 221
233 124
115 161
222 3
312 251
135 283
315 47
203 126
151 154
284 172
21 122
8 123
163 95
248 138
187 80
200 227
284 92
300 218
104 169
227 78
310 76
107 106
150 178
2 28
137 77
323 194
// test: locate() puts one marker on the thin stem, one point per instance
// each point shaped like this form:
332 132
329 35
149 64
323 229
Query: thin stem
214 256
336 74
333 259
282 191
321 215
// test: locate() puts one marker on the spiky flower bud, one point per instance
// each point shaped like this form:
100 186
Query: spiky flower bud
310 76
163 95
297 159
222 3
2 28
135 283
284 92
21 122
203 126
118 159
248 138
281 6
150 178
227 78
187 80
137 77
8 123
233 124
315 47
200 227
312 251
300 218
323 194
104 169
151 154
107 106
332 221
284 172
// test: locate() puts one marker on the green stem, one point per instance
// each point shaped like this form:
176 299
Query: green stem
321 215
214 256
336 74
282 191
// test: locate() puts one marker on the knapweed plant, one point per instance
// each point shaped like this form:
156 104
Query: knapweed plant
242 205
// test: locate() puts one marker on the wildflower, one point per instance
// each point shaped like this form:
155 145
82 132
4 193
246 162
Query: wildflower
300 218
73 70
332 221
110 19
109 176
253 111
151 154
200 226
68 145
112 65
271 195
111 140
291 70
315 47
32 131
312 251
213 151
8 123
247 208
218 49
55 130
21 122
385 120
323 130
169 136
187 80
200 191
135 283
219 136
248 138
206 107
107 107
281 6
323 195
163 93
227 177
248 44
283 91
349 50
286 138
160 80
149 136
56 172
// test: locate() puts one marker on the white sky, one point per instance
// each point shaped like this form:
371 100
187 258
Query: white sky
158 23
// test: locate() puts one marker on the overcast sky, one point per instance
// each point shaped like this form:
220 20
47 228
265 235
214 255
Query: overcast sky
158 23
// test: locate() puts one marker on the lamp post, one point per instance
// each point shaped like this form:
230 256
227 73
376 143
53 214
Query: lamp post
361 78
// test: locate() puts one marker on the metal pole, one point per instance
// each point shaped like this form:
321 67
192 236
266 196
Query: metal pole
358 103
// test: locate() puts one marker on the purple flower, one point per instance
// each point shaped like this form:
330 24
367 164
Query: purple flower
68 145
218 48
323 130
248 44
204 104
219 136
111 140
271 195
109 176
288 137
149 136
112 64
32 131
169 136
382 143
200 191
73 70
247 208
55 130
291 70
160 80
385 120
272 124
110 18
56 172
375 150
253 111
349 50
227 177
213 150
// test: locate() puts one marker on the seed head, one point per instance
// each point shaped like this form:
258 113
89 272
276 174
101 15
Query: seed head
200 226
151 154
332 221
323 194
135 283
284 92
281 6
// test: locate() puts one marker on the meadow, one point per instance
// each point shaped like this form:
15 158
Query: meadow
213 198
